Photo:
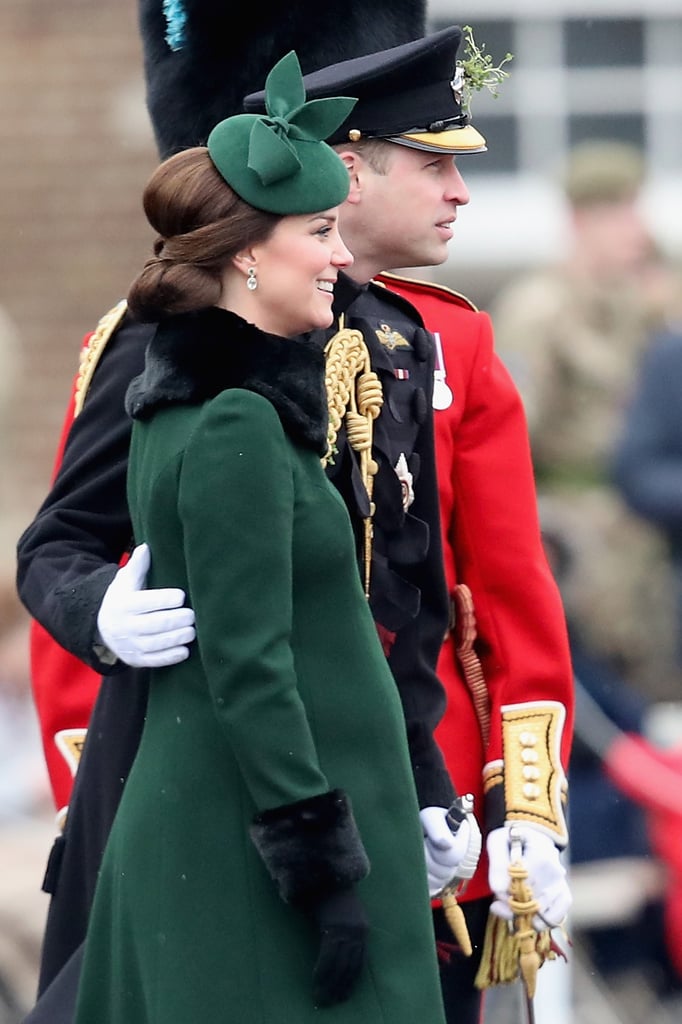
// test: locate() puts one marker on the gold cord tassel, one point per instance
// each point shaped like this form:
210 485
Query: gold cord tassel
454 915
354 394
524 906
513 949
500 960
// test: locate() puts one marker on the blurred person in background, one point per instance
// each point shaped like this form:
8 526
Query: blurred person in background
23 781
10 359
647 470
10 369
647 463
24 791
25 825
572 335
615 821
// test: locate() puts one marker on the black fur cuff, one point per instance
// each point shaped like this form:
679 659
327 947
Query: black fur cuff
311 848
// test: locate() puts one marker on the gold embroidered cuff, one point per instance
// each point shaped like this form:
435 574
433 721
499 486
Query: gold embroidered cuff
535 786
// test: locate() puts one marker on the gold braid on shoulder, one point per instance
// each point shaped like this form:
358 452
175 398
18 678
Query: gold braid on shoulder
91 352
354 395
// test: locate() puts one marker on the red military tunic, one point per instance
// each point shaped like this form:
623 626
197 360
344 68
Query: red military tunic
492 545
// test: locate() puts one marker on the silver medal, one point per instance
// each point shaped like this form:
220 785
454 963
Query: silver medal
442 395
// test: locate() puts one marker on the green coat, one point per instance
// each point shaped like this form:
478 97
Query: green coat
286 695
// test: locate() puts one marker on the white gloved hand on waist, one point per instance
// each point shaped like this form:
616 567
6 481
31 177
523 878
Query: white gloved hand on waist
144 628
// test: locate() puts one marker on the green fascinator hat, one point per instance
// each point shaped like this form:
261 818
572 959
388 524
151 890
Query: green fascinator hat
278 161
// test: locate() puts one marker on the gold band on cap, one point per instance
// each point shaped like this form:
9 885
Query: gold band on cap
535 786
456 140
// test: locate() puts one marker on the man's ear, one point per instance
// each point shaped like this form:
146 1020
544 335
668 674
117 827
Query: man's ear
354 165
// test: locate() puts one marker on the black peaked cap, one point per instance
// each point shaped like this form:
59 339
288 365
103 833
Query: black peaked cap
405 93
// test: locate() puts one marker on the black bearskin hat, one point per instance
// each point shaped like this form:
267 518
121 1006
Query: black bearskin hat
202 57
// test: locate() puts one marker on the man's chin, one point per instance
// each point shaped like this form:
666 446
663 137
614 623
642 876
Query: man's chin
435 257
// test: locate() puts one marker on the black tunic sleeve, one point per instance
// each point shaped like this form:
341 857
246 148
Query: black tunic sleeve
68 555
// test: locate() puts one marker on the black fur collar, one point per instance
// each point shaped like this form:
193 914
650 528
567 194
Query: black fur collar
192 357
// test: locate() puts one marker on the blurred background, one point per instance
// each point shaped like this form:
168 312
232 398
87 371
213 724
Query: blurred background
76 151
581 70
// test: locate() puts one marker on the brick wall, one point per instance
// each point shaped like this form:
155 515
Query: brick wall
75 150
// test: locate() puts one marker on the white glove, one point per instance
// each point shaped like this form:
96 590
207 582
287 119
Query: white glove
446 852
546 874
144 628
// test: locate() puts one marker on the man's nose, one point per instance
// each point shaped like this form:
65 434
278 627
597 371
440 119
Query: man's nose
457 190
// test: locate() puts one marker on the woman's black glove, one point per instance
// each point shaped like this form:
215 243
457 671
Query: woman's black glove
313 851
343 927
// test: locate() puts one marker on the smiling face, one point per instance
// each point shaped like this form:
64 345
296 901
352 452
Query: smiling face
401 213
296 270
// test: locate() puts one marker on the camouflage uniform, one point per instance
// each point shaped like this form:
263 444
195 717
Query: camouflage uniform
573 346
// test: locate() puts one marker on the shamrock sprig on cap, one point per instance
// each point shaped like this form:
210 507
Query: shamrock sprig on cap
478 69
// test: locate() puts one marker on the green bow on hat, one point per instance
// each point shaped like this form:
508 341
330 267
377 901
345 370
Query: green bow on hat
278 161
